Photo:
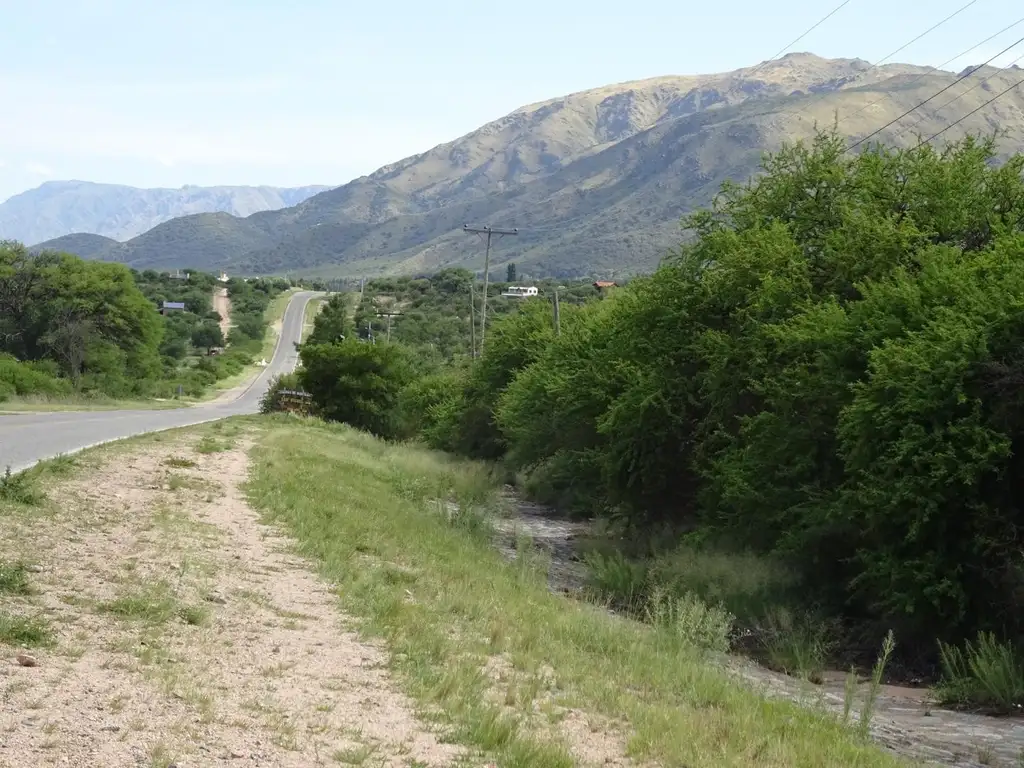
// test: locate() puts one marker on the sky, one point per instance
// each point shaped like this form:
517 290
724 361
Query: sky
162 93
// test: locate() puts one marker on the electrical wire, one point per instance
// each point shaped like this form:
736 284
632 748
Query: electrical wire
957 98
972 112
937 93
808 31
884 59
927 72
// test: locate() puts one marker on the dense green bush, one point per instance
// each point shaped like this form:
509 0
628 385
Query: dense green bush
826 376
357 383
818 395
270 401
25 379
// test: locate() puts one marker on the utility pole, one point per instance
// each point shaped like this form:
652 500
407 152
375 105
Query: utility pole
472 322
388 315
489 231
558 317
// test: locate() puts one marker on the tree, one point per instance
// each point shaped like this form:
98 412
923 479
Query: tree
510 273
69 340
829 373
207 334
333 322
357 383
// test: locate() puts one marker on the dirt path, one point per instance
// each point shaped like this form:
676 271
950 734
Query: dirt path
222 306
904 720
187 633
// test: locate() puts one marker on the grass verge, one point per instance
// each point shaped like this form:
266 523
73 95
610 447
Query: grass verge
309 316
450 609
274 315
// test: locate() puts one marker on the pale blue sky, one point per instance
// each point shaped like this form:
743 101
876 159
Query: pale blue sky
207 92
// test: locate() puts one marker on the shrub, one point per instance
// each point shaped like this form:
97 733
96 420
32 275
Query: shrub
271 399
357 383
691 620
24 379
987 675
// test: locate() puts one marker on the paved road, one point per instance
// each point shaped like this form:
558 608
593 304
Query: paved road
31 437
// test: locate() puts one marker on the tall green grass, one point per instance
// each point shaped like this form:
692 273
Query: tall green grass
402 534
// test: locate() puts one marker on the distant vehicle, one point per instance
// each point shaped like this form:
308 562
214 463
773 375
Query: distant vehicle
215 351
520 291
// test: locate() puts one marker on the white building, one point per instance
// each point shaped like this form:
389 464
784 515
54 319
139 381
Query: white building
520 291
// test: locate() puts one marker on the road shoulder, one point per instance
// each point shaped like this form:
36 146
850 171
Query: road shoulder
174 627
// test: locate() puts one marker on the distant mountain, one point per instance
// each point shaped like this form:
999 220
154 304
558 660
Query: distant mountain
59 208
595 181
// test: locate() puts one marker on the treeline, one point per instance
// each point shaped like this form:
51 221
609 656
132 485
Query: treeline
818 399
75 327
433 314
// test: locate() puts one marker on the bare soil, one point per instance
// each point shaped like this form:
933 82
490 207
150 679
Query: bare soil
187 632
222 306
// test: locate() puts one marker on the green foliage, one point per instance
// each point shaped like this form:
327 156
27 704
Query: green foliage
988 674
271 399
334 321
691 620
827 377
207 334
14 579
20 488
68 325
23 379
357 383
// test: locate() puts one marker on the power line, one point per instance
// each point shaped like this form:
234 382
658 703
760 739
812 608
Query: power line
960 96
806 32
939 67
489 231
884 59
937 93
972 112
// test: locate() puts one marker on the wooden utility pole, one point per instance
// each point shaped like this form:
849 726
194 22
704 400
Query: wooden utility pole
472 322
558 317
489 231
388 315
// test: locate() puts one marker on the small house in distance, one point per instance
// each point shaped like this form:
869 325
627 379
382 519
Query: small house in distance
603 285
172 306
520 291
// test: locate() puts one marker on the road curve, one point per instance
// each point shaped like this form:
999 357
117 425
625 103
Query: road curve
27 438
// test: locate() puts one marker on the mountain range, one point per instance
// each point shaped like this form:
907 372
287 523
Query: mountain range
58 208
595 181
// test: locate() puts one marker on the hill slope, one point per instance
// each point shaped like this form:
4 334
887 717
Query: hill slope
59 208
596 181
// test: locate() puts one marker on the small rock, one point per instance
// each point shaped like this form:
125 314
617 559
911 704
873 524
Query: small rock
27 661
236 755
111 728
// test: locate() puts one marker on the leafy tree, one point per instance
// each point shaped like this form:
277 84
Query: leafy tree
357 383
828 373
510 273
333 323
207 334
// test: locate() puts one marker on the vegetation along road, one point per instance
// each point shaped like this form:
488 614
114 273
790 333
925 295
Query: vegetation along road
30 437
